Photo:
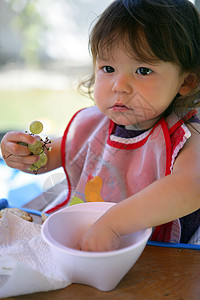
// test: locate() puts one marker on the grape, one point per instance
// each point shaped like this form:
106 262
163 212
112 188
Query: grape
36 166
33 168
43 159
36 127
23 144
37 148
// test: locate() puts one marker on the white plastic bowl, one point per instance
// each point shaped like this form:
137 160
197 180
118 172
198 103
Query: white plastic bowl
102 270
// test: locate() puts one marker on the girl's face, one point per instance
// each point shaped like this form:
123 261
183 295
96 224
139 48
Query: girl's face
132 92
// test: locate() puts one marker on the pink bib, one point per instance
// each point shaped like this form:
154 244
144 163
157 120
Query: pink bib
103 167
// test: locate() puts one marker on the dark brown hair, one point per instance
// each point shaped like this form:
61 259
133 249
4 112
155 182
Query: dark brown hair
167 30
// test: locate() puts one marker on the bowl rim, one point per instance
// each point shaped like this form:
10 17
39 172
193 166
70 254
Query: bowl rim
75 252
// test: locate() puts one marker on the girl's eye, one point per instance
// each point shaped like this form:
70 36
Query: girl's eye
108 69
144 71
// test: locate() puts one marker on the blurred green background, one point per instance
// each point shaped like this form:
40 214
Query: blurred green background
43 57
53 108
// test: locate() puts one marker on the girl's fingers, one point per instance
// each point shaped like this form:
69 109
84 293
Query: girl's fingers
12 144
26 160
16 149
18 136
19 166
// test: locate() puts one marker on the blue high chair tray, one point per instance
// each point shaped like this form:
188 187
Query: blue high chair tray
174 245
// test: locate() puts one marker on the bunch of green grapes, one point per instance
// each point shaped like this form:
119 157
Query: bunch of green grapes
39 147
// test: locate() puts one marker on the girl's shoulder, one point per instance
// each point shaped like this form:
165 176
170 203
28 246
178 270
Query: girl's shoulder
195 119
174 121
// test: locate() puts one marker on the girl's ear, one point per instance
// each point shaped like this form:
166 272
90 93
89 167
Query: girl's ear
189 83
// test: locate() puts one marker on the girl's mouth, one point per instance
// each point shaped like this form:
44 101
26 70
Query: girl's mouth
120 107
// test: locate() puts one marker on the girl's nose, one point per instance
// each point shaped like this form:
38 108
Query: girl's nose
122 85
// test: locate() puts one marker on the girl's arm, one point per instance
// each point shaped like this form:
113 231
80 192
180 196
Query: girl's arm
18 156
166 199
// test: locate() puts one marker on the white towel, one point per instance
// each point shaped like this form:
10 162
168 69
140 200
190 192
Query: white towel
26 263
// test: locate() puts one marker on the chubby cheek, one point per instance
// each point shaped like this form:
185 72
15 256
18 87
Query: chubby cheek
100 97
96 91
96 94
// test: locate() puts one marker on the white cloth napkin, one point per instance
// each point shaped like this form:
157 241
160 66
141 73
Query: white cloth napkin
26 263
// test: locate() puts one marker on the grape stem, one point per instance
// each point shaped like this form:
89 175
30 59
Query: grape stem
36 171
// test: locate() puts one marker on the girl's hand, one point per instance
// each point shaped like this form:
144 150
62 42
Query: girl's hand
17 156
99 237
